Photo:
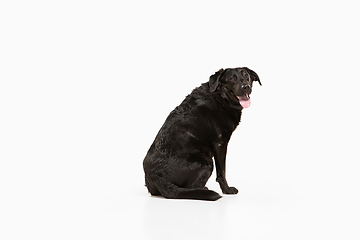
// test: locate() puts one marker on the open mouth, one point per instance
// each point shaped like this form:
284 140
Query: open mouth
244 100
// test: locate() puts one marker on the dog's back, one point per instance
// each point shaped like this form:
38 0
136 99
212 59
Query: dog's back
182 149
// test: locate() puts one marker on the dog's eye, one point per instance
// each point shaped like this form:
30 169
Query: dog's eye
247 77
232 79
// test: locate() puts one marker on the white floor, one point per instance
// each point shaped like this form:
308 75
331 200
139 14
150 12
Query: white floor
116 208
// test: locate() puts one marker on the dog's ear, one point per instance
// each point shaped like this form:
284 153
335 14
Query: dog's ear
214 80
253 75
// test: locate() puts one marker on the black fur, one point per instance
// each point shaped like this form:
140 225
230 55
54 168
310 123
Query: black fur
180 160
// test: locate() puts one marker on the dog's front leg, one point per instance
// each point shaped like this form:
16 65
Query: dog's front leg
220 157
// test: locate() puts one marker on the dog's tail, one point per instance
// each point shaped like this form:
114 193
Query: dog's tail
170 190
198 194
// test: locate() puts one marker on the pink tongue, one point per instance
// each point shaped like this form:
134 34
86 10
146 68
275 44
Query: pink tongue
245 102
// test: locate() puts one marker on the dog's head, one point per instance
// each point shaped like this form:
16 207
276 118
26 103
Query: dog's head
234 84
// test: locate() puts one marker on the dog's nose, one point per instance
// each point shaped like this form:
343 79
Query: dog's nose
245 87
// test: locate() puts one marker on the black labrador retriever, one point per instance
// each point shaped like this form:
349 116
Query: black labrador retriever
179 162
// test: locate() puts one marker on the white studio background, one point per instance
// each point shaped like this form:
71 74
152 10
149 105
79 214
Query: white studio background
86 85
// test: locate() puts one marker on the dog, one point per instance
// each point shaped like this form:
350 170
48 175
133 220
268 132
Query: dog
180 160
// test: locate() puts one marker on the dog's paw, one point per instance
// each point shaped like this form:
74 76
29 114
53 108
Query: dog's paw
230 190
